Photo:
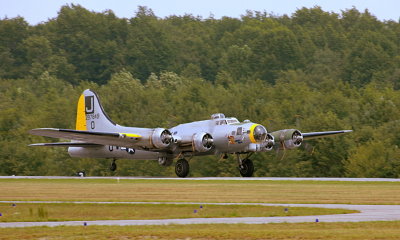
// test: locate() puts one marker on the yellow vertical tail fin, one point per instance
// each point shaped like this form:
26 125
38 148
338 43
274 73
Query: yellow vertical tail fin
80 114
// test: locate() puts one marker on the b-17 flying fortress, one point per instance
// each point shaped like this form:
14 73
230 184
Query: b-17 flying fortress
97 136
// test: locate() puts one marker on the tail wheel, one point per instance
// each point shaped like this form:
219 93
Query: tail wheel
182 168
247 168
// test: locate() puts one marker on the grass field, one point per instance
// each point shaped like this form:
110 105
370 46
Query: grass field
205 191
38 212
326 231
200 191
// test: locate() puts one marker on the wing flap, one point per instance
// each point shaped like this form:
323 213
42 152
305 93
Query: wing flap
313 135
100 138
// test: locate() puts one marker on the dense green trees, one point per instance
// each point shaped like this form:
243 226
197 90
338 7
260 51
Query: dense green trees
314 71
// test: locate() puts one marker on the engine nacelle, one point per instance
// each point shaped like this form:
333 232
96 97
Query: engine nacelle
289 138
161 138
202 142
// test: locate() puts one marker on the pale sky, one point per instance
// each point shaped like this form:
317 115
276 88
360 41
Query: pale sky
36 11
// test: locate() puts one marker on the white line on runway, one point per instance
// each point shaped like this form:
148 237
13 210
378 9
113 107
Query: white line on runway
216 178
367 213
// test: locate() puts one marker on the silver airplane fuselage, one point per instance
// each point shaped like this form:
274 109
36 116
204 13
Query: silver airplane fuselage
229 136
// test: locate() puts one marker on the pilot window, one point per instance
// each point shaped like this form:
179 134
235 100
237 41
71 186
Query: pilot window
232 121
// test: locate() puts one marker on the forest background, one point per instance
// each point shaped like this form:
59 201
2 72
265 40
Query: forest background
313 70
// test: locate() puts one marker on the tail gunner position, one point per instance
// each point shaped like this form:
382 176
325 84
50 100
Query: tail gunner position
96 136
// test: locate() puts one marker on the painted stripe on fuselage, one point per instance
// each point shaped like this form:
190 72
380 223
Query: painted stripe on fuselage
132 135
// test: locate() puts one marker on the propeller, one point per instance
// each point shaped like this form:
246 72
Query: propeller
207 141
270 142
297 138
166 137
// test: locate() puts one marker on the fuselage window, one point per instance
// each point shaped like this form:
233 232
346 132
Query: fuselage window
239 131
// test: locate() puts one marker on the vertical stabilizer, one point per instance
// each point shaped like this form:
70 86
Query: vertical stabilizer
90 115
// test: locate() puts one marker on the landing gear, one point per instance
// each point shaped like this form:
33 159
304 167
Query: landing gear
182 168
246 167
165 161
113 165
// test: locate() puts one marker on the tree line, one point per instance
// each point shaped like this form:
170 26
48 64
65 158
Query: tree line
313 70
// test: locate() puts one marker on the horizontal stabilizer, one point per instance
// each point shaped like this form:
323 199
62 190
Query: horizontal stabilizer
312 135
100 138
65 144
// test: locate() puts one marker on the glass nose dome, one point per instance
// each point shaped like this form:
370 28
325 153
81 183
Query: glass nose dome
260 133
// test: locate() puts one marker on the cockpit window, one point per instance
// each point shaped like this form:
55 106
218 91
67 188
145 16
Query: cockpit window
260 133
232 121
217 115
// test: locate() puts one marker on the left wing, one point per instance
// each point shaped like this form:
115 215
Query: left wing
292 138
312 135
86 138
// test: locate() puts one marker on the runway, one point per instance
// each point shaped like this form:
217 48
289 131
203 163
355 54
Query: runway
367 213
215 178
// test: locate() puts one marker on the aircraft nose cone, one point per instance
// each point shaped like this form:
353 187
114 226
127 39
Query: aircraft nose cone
260 133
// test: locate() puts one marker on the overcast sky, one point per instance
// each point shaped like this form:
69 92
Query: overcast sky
36 11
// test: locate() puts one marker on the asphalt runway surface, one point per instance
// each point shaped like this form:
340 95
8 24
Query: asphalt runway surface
367 212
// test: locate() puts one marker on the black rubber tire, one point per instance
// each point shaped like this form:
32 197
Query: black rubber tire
247 168
182 168
113 166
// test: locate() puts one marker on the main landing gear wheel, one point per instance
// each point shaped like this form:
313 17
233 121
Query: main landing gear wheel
247 168
113 165
182 168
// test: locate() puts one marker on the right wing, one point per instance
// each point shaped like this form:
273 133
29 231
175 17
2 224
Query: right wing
87 138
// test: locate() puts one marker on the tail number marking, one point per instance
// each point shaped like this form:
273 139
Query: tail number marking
89 104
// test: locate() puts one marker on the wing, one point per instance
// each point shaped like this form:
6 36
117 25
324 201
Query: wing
65 144
312 135
86 138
